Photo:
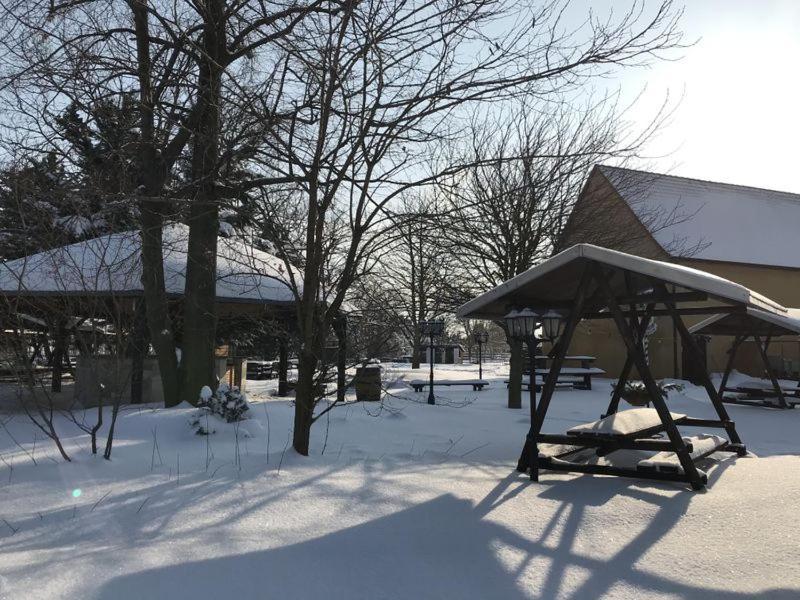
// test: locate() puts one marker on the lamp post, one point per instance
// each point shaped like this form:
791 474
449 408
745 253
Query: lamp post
432 328
481 336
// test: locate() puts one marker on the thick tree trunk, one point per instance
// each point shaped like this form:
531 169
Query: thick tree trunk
200 319
155 297
515 375
199 313
153 176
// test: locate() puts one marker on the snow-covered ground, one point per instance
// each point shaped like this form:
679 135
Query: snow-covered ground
398 500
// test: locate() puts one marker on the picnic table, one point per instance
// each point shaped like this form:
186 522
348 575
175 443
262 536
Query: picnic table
477 384
581 375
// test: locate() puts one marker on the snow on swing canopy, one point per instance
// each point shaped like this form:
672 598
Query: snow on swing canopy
111 265
751 322
554 283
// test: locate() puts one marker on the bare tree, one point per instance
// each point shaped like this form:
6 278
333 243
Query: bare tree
378 86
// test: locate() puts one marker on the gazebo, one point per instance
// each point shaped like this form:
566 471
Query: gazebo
589 282
102 276
761 326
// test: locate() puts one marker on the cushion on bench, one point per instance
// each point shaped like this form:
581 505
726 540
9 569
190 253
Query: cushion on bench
625 422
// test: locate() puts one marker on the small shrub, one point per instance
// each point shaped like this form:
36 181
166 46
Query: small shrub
635 393
227 403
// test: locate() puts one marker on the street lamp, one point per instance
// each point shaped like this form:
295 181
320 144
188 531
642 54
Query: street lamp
432 328
481 336
522 325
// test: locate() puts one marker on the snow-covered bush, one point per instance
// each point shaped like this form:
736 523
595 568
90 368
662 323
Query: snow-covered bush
227 403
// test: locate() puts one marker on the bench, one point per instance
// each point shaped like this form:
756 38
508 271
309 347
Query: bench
477 384
757 393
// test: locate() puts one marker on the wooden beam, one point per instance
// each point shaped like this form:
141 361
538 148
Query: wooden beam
641 327
665 312
612 443
762 350
690 471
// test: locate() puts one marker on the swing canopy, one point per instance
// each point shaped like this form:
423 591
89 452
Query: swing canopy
751 322
553 285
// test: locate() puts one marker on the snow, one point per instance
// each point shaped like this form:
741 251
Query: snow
112 263
623 422
727 222
398 500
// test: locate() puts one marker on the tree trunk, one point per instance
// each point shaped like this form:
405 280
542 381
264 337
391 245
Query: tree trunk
137 349
304 402
153 175
515 375
283 369
415 353
199 313
200 319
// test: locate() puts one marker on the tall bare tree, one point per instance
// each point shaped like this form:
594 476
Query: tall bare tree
379 85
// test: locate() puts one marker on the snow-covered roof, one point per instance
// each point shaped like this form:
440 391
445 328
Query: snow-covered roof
111 264
553 284
752 322
717 221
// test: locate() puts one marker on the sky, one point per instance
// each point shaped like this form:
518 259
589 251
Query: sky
737 119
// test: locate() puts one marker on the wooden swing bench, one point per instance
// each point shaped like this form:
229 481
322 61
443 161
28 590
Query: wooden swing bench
636 429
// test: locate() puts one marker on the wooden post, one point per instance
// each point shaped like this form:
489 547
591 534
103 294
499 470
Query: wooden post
59 348
690 344
283 368
737 340
529 458
762 350
635 351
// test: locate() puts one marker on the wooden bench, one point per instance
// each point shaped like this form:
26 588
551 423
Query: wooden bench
477 384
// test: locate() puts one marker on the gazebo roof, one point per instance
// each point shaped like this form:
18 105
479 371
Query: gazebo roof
553 284
111 265
751 322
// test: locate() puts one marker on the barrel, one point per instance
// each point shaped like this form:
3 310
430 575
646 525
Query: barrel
368 383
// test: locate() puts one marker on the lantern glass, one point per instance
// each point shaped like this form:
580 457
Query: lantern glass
553 324
511 323
529 320
480 336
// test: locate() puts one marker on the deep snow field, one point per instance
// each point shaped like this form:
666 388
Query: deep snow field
398 500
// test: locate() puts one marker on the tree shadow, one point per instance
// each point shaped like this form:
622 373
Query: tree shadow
448 548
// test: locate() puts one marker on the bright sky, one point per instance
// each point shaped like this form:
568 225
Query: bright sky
738 119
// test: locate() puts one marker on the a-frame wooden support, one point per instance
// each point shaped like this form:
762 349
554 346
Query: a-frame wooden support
640 326
780 395
529 459
716 401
